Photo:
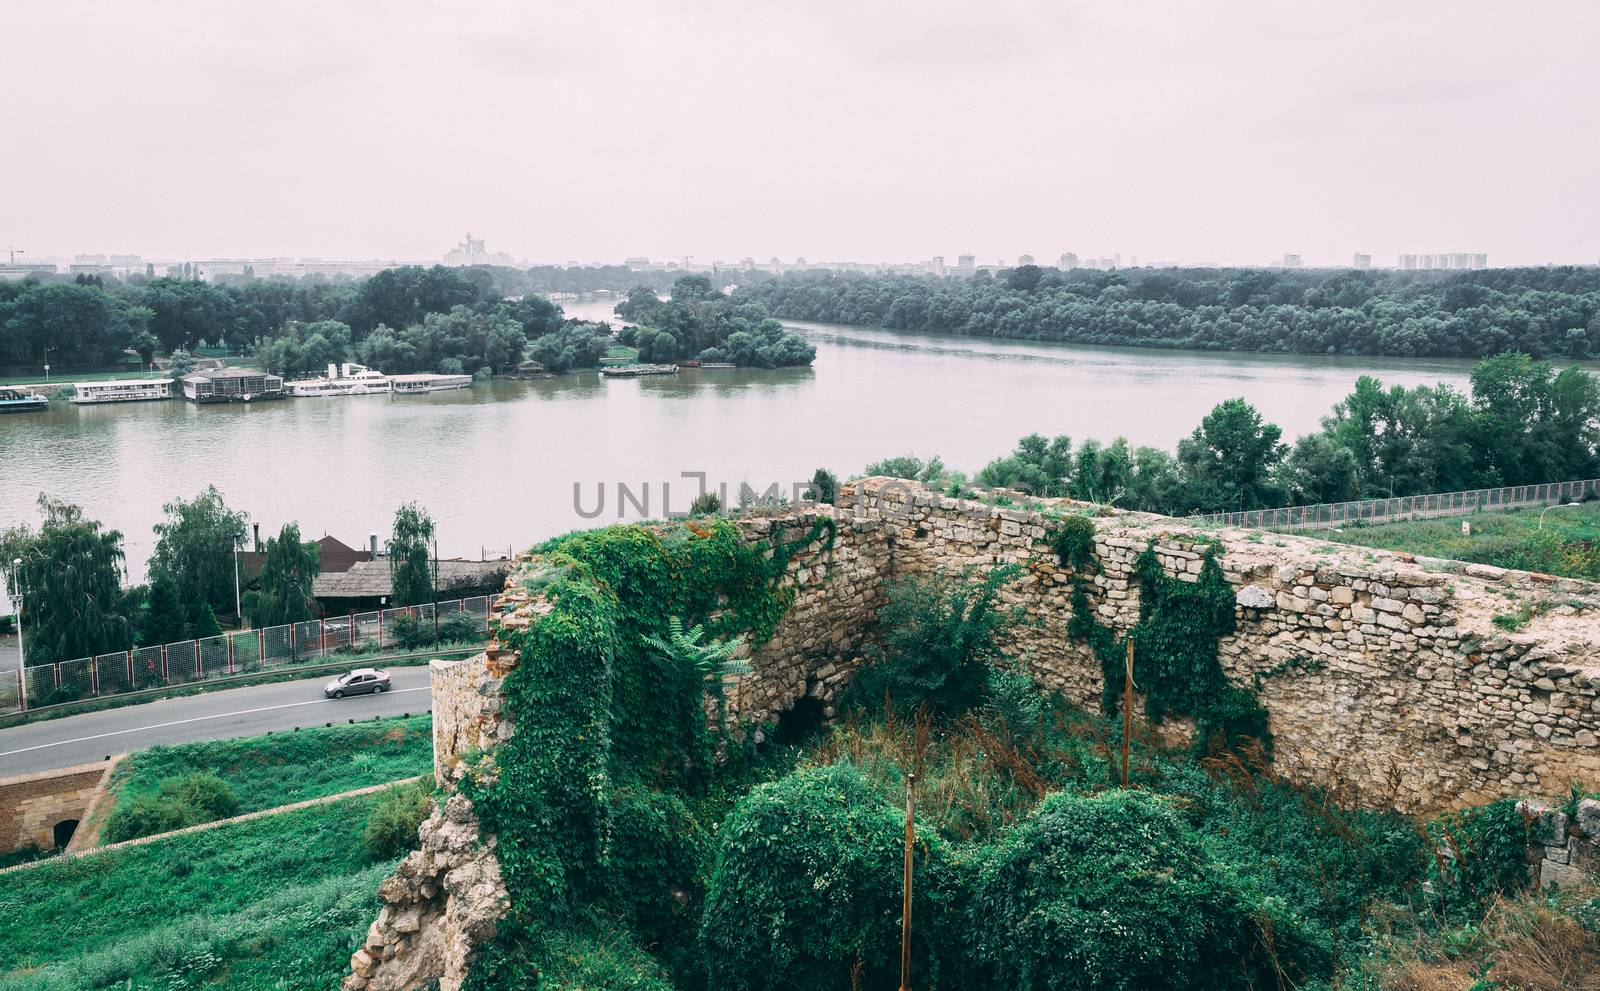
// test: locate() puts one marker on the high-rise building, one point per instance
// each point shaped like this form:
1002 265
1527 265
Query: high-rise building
1408 263
1024 260
1360 260
1068 261
966 264
937 265
1292 260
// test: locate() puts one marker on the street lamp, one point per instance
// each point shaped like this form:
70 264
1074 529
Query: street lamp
238 611
1554 506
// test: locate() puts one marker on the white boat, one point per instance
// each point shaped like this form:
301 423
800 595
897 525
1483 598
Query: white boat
420 382
122 391
348 379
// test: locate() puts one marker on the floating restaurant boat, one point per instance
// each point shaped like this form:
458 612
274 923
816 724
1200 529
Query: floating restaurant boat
231 385
637 371
420 382
347 379
122 391
22 401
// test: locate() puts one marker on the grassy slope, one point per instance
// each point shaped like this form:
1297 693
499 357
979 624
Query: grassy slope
267 771
276 903
1508 540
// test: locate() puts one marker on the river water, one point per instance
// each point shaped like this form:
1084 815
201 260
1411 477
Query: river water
496 465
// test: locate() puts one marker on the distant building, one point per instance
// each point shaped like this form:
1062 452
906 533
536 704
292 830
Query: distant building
937 265
637 263
368 584
1067 262
1360 260
966 264
1024 260
472 251
1408 263
1292 260
231 385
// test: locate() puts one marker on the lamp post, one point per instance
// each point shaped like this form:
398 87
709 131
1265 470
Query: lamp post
1562 505
16 598
238 610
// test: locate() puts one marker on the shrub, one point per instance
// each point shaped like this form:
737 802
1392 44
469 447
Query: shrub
1481 853
705 504
186 800
392 824
807 885
409 632
458 627
940 633
1109 892
1073 542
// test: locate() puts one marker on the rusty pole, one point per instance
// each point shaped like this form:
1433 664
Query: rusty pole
1127 710
905 897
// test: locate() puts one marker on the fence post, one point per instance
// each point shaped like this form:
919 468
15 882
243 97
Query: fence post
322 634
261 646
165 675
94 675
130 669
230 652
199 672
380 629
351 630
22 690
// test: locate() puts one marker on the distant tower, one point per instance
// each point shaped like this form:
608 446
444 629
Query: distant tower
1024 260
1067 262
1360 260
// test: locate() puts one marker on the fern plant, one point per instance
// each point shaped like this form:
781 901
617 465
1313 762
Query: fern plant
687 650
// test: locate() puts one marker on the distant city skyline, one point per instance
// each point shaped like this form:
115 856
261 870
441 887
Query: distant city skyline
1229 133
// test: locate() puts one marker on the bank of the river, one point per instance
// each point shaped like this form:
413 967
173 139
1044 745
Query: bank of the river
340 466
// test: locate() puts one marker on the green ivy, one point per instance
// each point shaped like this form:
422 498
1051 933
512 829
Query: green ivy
1073 542
584 797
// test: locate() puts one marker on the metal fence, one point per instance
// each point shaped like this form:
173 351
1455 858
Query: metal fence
270 648
1333 514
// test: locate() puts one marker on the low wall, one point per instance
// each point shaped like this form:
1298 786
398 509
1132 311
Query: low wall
32 805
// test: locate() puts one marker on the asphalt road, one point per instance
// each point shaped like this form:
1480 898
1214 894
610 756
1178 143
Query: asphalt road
233 712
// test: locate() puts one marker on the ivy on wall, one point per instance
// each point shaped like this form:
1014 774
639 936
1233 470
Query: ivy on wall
1175 652
584 797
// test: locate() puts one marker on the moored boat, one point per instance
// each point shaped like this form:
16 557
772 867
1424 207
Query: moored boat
121 391
636 371
419 382
22 401
347 379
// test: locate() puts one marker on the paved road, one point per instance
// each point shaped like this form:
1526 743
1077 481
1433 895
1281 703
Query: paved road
93 736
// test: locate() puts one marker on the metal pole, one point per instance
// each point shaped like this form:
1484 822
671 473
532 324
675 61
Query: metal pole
22 641
1127 710
905 896
238 610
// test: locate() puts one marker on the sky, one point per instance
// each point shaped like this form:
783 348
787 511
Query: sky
1226 131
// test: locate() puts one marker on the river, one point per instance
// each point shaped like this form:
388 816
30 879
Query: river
496 464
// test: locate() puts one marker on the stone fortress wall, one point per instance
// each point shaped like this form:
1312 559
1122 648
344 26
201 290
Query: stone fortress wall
1385 675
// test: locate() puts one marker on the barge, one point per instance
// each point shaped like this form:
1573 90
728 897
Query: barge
421 382
231 385
638 371
121 391
22 401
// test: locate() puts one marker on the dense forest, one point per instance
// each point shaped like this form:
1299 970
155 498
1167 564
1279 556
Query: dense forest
700 321
1524 423
1545 312
400 320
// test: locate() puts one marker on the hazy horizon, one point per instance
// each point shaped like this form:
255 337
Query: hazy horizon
1229 133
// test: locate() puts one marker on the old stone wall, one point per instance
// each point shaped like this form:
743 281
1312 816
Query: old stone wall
32 805
1403 682
1564 851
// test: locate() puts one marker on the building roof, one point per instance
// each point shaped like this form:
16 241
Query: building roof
333 555
371 579
211 374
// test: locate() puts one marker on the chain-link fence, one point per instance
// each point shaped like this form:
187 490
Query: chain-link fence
1333 514
245 652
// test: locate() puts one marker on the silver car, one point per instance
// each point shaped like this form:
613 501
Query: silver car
361 681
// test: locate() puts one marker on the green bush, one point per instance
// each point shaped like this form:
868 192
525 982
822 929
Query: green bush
807 885
1109 892
409 632
1480 853
460 627
1073 541
391 827
940 633
187 800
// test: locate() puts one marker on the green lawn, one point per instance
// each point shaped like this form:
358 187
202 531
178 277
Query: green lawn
267 771
56 377
1566 546
277 903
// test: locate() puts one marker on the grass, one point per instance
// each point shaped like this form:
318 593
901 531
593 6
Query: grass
1569 544
275 903
57 377
619 355
265 772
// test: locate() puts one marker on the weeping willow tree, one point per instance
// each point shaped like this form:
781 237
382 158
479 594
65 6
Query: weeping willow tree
283 589
410 558
70 577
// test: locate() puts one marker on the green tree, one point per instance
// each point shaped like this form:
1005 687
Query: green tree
283 589
195 549
1039 466
205 623
411 557
146 344
824 486
1229 460
1319 470
71 577
180 363
163 620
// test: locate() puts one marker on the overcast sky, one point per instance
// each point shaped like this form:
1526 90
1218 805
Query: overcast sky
1219 131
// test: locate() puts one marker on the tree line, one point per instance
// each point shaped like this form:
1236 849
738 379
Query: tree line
700 321
403 319
72 569
1544 312
1523 423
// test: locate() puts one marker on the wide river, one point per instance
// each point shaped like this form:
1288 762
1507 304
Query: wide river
496 465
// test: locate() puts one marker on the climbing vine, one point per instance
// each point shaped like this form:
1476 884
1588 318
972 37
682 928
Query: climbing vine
609 728
1175 652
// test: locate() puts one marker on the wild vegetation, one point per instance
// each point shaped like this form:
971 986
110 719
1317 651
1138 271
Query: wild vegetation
1525 423
643 848
700 321
1546 312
